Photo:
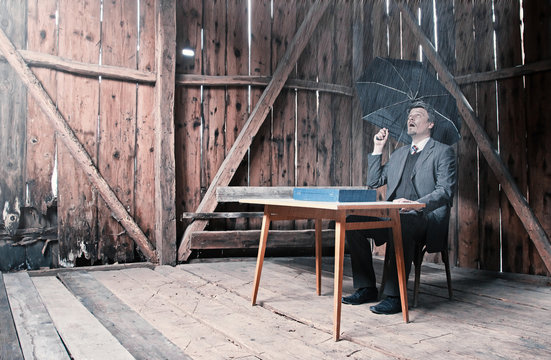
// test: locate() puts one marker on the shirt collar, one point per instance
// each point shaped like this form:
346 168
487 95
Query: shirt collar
421 144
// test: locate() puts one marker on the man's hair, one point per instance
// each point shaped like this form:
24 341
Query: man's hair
428 108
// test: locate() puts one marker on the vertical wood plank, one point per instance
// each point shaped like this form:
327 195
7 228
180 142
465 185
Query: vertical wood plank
13 112
467 160
342 105
41 144
328 134
145 126
117 127
79 36
237 98
260 158
188 115
260 150
307 117
486 107
446 49
537 37
512 130
283 127
165 188
214 98
362 53
307 131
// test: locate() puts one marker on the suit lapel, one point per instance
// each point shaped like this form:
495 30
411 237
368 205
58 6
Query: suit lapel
423 156
401 155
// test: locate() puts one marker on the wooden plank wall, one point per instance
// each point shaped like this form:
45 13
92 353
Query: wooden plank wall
484 230
309 138
114 120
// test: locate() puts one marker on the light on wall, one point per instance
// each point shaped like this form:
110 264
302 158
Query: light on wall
188 52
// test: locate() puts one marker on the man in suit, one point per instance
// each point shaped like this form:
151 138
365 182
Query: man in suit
421 173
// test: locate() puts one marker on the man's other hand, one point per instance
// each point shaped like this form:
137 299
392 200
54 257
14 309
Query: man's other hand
406 208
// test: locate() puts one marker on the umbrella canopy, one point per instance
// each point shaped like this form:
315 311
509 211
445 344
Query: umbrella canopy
387 89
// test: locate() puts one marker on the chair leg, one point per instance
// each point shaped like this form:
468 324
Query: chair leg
446 260
418 260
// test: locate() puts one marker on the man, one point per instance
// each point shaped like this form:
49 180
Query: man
423 173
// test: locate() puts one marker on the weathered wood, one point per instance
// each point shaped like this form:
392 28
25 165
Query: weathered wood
9 342
505 73
467 177
515 241
78 36
13 115
37 334
248 239
199 340
165 186
188 112
214 99
37 59
41 143
145 126
237 98
529 220
139 337
68 137
260 156
54 272
238 150
284 25
251 80
485 109
221 215
537 35
235 193
72 320
117 129
329 67
342 147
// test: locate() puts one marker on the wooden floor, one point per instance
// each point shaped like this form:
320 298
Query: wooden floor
202 311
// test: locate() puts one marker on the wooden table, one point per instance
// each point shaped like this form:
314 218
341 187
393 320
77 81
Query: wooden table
290 209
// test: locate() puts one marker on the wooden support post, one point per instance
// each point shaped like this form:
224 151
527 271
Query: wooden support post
251 127
75 148
529 220
165 168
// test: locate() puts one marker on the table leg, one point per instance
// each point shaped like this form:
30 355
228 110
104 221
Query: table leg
340 231
261 252
318 256
400 264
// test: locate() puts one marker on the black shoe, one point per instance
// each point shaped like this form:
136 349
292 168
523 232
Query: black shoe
361 296
390 305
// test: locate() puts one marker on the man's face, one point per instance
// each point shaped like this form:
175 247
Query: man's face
418 123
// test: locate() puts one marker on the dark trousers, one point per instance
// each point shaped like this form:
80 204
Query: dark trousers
414 228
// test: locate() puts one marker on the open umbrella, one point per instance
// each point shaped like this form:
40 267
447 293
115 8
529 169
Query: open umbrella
389 86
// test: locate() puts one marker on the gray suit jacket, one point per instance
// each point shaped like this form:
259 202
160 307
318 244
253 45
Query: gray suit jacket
433 178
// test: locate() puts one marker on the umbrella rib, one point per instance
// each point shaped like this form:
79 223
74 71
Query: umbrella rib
383 85
399 75
385 107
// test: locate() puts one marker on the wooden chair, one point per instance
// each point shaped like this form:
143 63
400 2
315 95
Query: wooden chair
420 250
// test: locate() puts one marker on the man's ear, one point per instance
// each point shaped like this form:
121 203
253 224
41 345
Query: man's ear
431 125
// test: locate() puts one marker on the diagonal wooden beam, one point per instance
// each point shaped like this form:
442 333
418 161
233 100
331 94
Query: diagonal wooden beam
518 201
255 121
68 137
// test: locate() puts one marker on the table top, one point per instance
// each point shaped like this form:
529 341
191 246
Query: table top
332 205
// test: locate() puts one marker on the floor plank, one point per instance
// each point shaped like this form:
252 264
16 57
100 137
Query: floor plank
37 334
9 343
82 333
178 326
138 336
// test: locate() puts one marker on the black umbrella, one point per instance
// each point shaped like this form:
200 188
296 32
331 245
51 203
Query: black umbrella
387 89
